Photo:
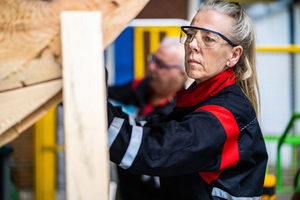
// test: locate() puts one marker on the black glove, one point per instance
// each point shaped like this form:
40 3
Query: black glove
113 112
106 80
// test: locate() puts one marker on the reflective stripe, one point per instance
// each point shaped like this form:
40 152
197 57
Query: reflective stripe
133 147
222 194
114 130
131 121
145 178
143 123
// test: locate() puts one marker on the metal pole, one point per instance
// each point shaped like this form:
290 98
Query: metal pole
292 41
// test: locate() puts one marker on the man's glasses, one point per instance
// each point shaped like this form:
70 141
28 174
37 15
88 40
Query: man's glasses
160 64
205 38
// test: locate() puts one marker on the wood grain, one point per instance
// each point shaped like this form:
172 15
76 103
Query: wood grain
30 48
30 44
22 125
85 119
17 104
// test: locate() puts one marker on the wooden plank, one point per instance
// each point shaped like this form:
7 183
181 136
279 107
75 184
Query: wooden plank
30 50
17 104
85 120
21 126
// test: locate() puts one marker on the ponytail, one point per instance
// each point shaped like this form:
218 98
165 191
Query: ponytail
242 33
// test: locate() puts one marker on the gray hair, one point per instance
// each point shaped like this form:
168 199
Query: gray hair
173 42
242 33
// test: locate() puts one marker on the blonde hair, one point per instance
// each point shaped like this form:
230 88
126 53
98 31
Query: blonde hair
243 35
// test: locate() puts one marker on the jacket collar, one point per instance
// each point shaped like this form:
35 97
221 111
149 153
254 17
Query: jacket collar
198 93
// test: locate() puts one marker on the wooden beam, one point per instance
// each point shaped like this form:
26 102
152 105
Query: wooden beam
28 121
17 104
30 50
85 119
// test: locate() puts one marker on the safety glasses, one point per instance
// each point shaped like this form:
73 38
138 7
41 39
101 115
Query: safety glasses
160 64
205 38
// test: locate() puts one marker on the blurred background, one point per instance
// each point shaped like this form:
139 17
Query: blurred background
32 166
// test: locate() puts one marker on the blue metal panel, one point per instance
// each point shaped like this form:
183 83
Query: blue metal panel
124 57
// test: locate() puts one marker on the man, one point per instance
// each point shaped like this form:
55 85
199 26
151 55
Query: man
154 95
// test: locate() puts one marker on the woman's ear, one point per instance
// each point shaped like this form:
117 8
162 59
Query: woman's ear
236 53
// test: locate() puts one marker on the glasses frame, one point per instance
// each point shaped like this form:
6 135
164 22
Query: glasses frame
203 29
160 64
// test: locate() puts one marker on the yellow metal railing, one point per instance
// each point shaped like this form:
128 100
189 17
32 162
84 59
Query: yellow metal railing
292 139
154 39
279 49
45 156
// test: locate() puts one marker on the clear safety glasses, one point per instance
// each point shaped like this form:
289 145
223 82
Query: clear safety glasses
205 38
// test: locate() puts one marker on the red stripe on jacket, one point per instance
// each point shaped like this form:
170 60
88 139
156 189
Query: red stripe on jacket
230 153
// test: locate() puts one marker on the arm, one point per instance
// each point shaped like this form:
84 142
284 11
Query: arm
194 144
121 93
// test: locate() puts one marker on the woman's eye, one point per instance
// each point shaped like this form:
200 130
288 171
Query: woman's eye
209 39
189 35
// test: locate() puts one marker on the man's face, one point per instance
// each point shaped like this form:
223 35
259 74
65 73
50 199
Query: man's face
162 78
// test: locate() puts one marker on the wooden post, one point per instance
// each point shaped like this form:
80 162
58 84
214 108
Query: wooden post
84 98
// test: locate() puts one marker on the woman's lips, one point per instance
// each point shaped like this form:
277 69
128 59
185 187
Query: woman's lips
192 61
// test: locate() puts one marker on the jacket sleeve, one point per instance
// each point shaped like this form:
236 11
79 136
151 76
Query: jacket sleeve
121 93
194 144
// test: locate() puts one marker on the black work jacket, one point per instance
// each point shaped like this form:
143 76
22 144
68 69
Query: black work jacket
209 147
138 93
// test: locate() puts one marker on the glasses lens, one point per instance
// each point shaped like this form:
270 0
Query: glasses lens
152 58
183 37
210 40
187 35
204 39
159 64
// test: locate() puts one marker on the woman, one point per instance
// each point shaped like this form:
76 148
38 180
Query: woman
210 146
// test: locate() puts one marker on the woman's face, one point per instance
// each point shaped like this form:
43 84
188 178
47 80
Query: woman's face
204 63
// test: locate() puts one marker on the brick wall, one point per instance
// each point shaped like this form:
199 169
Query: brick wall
23 156
165 9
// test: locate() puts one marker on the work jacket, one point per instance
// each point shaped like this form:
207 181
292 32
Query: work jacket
209 147
138 93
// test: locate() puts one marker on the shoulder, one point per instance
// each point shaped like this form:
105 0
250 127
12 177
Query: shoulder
231 101
139 84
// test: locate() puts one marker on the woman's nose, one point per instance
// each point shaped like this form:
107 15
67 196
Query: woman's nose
194 44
